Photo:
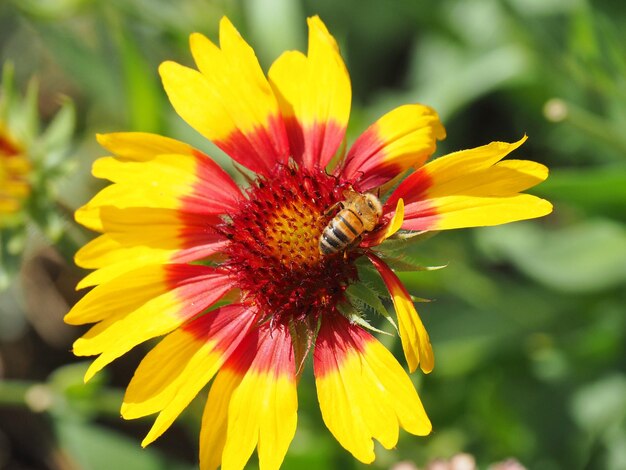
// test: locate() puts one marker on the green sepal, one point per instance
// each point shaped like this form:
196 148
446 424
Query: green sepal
405 264
365 297
356 317
28 124
58 134
303 336
369 275
401 241
7 90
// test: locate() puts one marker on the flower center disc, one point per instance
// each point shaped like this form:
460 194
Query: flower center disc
274 245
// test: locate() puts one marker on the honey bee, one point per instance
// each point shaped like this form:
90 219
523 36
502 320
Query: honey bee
359 213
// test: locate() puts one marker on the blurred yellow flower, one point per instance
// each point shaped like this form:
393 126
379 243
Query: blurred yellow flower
32 162
14 175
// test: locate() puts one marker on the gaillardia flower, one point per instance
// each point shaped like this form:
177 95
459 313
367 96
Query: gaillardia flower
33 161
14 172
235 278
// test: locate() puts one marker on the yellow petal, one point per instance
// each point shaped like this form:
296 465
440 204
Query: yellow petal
121 295
363 392
189 183
194 175
142 146
314 95
229 101
172 374
462 211
468 161
263 411
394 224
123 196
185 291
136 237
263 408
252 403
387 229
403 138
472 188
215 418
415 340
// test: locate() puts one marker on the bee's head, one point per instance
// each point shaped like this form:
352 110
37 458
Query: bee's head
374 204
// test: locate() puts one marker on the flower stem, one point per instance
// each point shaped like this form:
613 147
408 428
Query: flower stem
13 392
557 110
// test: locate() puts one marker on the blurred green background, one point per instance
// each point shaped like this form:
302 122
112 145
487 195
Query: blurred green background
528 320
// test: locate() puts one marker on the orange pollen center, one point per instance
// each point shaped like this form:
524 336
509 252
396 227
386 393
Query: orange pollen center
292 235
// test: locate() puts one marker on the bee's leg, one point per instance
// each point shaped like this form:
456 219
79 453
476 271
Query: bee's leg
352 245
332 208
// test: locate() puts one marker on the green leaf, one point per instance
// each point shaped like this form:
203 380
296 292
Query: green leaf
597 190
97 448
12 242
46 10
142 87
587 257
481 69
93 70
600 405
68 379
272 37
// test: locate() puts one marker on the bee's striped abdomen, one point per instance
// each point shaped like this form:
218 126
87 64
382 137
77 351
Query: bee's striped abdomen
340 232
